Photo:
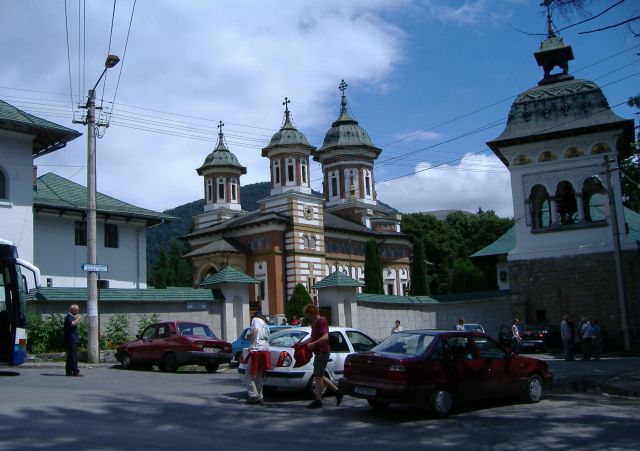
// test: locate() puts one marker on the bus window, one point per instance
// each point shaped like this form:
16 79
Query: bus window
3 294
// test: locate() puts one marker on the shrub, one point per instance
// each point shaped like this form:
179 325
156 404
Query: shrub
144 321
117 330
45 333
299 298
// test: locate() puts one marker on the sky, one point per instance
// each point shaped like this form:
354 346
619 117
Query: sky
431 81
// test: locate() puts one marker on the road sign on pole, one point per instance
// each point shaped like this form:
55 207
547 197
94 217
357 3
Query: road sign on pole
94 268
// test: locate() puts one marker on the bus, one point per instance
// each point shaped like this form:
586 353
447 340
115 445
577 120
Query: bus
13 304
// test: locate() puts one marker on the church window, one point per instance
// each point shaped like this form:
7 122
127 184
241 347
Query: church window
334 185
276 172
540 205
566 204
234 190
303 171
547 156
600 148
305 241
572 152
290 171
520 160
593 198
221 189
367 183
209 190
312 242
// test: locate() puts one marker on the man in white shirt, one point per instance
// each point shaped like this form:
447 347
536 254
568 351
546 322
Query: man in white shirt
259 359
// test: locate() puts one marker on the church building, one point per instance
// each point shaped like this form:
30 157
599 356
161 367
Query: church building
296 236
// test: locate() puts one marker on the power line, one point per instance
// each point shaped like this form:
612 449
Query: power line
104 85
124 54
66 26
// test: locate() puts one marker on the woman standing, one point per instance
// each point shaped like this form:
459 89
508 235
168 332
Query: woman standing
516 340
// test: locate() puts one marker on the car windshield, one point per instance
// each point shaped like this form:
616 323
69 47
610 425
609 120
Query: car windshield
473 327
195 329
405 343
287 338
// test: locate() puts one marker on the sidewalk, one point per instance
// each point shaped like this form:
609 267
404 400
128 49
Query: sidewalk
612 374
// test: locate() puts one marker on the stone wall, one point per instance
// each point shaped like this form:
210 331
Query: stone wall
377 319
582 285
211 315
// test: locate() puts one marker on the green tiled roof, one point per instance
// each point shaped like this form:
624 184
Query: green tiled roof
387 299
58 192
172 294
48 135
502 245
337 279
227 275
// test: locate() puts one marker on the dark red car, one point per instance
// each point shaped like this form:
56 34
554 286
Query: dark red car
435 369
172 344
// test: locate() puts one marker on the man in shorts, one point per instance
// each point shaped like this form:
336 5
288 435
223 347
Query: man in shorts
319 344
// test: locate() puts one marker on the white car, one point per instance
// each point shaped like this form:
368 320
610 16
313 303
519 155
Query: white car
343 341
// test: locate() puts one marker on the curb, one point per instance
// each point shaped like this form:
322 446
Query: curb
591 386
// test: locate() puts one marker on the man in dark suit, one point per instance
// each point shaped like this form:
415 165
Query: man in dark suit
71 340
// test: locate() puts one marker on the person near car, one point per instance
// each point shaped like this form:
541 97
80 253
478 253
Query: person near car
319 344
516 339
460 325
596 338
259 358
295 321
586 341
566 333
71 339
397 328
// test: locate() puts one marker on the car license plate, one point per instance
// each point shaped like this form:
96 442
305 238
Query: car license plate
211 349
365 390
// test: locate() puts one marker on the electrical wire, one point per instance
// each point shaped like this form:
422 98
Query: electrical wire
124 54
113 15
66 26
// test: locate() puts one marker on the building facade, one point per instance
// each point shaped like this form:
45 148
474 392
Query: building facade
561 144
296 236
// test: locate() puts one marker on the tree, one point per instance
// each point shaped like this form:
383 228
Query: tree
465 276
419 277
372 269
299 298
630 169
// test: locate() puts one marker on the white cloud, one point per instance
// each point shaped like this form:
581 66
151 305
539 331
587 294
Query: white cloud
417 135
466 12
476 181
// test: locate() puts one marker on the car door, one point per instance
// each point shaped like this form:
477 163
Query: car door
160 343
501 378
142 351
464 367
339 351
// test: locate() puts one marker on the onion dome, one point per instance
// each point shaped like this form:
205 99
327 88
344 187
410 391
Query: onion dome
345 131
288 135
559 105
221 157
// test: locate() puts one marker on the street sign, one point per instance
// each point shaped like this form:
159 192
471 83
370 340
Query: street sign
94 268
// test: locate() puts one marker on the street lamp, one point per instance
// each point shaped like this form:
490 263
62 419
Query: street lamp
92 279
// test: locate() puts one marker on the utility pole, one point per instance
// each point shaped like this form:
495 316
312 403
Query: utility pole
93 345
617 255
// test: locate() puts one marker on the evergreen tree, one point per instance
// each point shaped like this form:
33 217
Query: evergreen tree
160 275
466 277
372 269
299 298
419 277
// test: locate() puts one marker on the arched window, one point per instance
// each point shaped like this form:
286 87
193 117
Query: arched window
566 203
600 148
276 172
209 190
547 156
221 183
333 180
593 198
312 242
367 183
234 189
519 160
3 185
290 171
303 171
573 152
540 207
305 241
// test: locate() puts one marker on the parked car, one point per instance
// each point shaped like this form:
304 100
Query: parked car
473 327
436 369
243 340
534 338
344 341
172 344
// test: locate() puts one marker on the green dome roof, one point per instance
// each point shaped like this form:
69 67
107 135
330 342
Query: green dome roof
221 157
288 135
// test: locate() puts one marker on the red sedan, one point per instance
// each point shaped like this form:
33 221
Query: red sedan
437 368
172 344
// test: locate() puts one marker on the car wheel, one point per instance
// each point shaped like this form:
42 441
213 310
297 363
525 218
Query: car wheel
533 389
170 363
311 388
440 403
125 361
212 368
378 405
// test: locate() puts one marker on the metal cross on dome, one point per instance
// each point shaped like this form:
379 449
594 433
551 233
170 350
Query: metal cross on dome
343 86
286 107
220 125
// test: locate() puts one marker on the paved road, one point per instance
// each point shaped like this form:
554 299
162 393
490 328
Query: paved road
115 409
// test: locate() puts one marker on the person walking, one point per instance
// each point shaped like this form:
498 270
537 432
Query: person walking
516 340
460 325
596 338
397 328
71 339
259 359
567 338
319 344
586 341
